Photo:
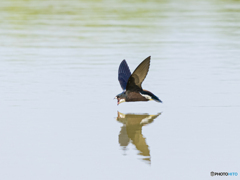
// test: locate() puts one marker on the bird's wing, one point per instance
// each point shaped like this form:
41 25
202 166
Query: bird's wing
135 80
123 74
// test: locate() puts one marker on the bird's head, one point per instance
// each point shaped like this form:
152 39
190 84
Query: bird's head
120 98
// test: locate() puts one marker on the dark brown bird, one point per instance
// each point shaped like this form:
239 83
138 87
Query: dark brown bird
132 83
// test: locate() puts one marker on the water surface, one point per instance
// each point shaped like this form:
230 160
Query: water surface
58 78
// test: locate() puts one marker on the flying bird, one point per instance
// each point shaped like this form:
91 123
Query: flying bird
132 83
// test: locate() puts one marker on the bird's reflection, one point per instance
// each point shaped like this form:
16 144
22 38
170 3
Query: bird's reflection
131 131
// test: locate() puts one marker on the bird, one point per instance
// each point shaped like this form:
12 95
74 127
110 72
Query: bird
132 83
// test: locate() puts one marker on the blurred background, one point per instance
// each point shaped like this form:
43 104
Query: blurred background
58 77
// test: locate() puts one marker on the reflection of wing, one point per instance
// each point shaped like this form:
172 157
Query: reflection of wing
123 74
123 138
135 134
135 80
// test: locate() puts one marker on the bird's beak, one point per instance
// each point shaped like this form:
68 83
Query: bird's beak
117 100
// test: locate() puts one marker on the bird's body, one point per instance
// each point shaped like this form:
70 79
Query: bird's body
132 83
135 96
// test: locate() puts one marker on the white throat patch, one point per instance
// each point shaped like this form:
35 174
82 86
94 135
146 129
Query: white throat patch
121 101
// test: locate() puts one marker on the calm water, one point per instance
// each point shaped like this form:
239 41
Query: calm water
58 78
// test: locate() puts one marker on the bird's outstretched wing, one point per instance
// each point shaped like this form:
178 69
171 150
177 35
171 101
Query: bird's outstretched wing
135 80
123 74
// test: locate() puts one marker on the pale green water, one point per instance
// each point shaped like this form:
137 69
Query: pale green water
58 78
